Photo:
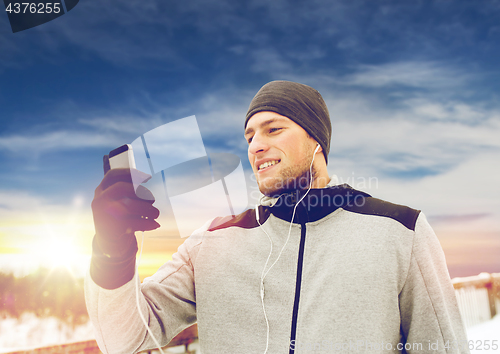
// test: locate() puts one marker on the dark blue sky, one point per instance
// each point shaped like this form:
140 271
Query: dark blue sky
412 88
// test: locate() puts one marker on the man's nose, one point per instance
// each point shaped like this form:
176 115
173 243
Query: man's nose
258 145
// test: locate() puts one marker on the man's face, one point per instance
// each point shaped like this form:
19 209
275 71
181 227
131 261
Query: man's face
280 152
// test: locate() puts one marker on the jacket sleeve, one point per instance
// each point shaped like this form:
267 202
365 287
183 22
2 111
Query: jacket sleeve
166 300
428 305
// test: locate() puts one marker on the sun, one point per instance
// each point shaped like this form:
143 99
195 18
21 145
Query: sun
60 253
48 236
59 246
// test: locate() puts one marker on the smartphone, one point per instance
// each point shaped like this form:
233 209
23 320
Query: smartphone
122 157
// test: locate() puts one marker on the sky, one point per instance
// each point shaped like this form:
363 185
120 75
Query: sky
412 89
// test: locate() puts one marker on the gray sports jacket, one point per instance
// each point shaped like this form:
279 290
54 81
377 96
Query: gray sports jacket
358 275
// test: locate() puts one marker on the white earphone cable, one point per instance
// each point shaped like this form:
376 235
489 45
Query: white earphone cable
137 299
262 281
263 275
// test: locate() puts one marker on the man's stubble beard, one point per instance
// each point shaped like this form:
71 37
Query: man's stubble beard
290 179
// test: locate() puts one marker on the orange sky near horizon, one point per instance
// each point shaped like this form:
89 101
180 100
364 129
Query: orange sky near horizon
467 252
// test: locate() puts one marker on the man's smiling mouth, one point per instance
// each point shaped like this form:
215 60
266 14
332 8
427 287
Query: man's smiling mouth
268 164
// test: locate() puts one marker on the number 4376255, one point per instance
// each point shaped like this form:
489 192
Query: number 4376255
39 8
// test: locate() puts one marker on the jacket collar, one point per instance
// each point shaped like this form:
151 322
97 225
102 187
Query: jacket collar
316 204
270 201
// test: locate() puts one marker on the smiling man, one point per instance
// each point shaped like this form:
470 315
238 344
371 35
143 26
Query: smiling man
280 152
315 267
284 124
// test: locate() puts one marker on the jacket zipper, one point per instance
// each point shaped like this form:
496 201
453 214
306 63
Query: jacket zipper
297 287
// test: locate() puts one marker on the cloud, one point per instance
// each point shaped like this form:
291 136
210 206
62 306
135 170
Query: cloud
396 80
420 74
55 140
454 111
130 124
167 36
20 200
459 218
220 113
411 136
269 60
406 140
393 131
469 192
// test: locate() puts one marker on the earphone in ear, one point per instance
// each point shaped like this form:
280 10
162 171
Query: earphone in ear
317 148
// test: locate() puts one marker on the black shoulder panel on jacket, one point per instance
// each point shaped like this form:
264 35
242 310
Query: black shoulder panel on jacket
245 220
373 206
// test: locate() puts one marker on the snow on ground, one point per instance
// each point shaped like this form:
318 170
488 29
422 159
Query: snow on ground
484 335
30 331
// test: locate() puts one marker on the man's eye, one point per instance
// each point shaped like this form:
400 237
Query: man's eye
249 140
272 130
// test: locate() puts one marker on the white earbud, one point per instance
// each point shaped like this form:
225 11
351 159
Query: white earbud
317 148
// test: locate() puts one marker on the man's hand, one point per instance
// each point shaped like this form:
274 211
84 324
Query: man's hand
119 210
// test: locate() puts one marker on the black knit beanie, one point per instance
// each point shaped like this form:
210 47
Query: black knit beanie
300 103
